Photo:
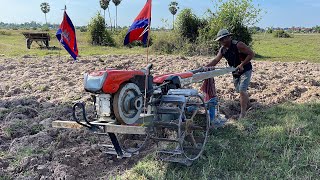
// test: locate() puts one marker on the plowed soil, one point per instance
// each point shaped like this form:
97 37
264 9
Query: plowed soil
36 91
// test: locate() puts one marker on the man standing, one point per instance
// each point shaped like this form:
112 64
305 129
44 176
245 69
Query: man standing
239 56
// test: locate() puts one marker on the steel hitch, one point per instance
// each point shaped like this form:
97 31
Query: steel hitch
87 124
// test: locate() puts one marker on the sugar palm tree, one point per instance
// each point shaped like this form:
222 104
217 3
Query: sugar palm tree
116 3
104 4
173 8
45 8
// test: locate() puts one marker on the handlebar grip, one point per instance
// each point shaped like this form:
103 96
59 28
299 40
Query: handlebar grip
149 66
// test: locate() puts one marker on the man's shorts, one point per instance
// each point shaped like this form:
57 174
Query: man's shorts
241 84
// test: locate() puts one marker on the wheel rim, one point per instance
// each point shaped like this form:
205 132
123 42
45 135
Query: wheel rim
195 129
125 103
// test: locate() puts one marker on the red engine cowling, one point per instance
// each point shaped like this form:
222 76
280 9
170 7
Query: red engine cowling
108 81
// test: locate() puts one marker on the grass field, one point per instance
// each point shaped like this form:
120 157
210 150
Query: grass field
277 143
299 48
13 44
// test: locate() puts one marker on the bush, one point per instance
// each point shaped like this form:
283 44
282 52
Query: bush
234 15
241 33
45 28
167 42
172 43
269 31
188 25
99 35
5 33
107 39
119 36
281 34
83 29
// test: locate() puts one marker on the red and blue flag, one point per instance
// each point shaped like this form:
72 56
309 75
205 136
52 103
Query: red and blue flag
66 34
139 30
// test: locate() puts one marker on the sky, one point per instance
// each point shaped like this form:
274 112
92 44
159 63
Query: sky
276 13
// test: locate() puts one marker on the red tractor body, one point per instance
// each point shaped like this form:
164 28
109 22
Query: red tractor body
108 81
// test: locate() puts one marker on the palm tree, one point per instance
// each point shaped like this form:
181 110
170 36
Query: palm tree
45 8
173 8
116 3
104 4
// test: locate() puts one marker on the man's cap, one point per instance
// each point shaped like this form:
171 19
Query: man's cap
222 33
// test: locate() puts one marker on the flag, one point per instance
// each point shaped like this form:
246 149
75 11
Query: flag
66 34
139 30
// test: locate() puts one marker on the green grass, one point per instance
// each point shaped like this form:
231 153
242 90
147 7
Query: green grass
13 44
298 48
277 143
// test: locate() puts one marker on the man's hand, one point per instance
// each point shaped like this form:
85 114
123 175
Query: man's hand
240 67
208 68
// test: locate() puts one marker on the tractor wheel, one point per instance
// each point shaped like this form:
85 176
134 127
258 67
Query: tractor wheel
128 104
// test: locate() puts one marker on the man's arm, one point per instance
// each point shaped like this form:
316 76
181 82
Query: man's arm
243 48
215 60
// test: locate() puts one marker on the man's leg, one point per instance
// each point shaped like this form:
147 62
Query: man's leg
244 97
244 100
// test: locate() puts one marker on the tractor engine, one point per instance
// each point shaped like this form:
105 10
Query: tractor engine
118 94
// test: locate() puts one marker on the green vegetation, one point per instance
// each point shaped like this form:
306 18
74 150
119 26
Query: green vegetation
188 25
116 3
45 8
267 47
104 4
234 15
173 8
13 44
281 34
5 177
192 36
13 130
198 33
99 35
299 48
278 143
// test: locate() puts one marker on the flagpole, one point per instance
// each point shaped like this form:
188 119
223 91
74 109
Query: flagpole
147 74
65 8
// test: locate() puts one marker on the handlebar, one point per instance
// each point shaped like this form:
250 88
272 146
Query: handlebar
148 68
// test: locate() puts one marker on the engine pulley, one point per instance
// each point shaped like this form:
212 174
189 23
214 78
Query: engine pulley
128 103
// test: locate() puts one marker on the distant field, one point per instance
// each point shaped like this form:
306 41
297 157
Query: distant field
13 43
299 48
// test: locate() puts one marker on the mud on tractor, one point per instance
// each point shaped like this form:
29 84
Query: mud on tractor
133 107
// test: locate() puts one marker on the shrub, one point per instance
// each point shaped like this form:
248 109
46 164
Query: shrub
45 28
99 35
234 15
83 29
241 33
188 24
281 34
5 33
269 31
167 42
